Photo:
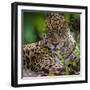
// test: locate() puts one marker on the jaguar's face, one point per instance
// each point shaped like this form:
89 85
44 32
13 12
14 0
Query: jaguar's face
54 42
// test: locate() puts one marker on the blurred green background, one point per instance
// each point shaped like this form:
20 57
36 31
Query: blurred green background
34 26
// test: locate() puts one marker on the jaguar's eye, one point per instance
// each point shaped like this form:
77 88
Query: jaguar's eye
50 66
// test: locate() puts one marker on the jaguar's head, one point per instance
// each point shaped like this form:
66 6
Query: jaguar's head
56 23
57 29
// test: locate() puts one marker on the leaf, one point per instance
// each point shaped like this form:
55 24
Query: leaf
74 65
67 16
50 74
67 70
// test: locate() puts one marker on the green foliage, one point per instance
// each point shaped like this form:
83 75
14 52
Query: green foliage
66 70
74 21
33 24
67 16
77 50
50 74
71 66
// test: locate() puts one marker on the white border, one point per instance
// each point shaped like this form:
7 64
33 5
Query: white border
82 50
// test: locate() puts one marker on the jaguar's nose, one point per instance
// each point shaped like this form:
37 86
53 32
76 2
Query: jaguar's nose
55 44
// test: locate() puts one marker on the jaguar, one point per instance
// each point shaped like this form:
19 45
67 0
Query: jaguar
45 55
